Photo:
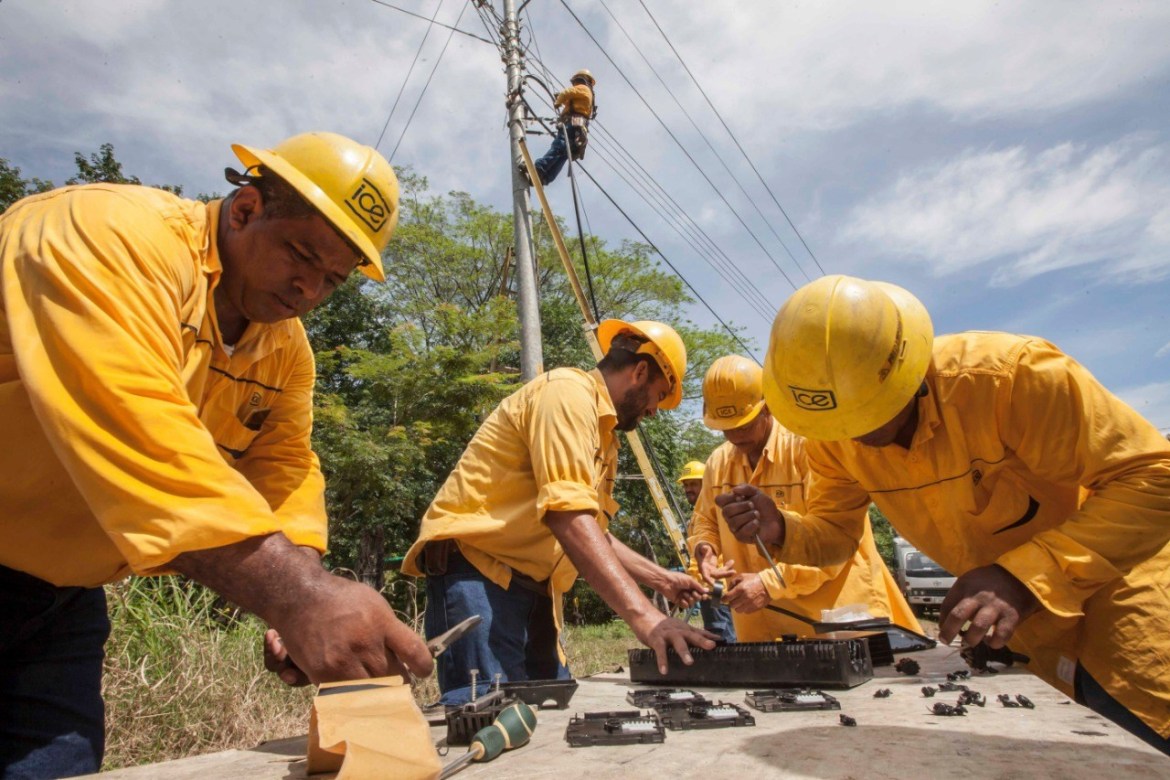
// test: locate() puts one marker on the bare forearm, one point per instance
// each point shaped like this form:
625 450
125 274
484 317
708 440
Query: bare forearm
266 575
642 569
595 558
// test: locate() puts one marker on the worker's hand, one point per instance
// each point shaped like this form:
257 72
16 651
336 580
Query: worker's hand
747 594
276 660
749 512
662 632
709 568
343 630
680 588
992 600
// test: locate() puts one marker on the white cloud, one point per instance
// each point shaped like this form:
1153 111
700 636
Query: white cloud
1028 214
1163 351
828 64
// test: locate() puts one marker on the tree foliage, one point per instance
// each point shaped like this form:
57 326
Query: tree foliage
409 369
98 167
883 535
13 187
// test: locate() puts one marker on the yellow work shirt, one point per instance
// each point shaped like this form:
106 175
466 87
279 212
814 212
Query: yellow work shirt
131 435
781 474
575 99
548 447
1009 433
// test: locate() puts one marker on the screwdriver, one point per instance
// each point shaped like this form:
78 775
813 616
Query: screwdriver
512 728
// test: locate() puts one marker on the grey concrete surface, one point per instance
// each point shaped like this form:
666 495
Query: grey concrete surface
896 737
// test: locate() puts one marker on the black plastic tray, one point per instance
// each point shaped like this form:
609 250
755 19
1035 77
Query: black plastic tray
627 727
812 663
705 715
792 700
537 693
656 697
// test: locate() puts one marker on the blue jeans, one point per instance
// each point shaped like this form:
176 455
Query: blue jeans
1090 693
718 620
549 166
517 638
52 720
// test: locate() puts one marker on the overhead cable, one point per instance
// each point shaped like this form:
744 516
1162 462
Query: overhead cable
420 16
671 265
673 214
733 138
409 71
680 145
438 60
706 140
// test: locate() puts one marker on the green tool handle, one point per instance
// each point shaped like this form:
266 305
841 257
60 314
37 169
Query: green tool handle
511 729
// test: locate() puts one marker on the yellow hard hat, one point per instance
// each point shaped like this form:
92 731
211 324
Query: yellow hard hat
351 185
659 341
733 393
693 470
586 76
845 356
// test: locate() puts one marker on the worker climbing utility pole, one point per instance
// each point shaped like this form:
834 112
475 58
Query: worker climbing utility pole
531 359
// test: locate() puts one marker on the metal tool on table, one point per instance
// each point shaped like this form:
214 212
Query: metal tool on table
450 636
511 729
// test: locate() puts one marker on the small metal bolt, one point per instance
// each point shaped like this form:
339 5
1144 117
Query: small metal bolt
474 684
496 680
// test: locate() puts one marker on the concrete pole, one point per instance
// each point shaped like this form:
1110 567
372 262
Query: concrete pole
531 354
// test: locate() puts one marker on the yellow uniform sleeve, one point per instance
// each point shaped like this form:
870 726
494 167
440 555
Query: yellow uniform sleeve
1067 428
281 464
829 531
704 528
92 292
800 580
565 447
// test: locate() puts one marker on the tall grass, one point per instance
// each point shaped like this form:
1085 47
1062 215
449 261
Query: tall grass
183 676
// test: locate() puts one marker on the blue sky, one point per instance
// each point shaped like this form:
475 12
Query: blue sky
1008 163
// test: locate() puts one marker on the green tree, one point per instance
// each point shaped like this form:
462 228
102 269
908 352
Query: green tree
103 167
409 369
100 166
883 535
13 187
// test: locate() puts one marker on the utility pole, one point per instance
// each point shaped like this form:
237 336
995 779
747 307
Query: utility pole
531 354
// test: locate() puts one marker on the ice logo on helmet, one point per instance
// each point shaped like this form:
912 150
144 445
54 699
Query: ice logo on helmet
813 400
726 411
369 206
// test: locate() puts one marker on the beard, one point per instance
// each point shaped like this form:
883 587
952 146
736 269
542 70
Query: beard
631 407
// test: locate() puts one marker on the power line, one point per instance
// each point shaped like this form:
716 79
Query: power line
733 137
674 138
438 60
671 265
409 71
420 16
706 140
645 186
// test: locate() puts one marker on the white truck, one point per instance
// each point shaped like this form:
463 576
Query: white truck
923 582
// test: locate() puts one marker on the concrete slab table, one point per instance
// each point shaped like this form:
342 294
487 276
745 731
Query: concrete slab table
895 737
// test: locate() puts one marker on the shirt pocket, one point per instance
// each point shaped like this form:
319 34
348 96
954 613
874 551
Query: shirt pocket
1004 505
232 438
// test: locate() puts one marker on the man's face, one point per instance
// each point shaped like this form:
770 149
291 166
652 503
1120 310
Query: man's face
888 433
276 269
641 398
692 487
751 436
